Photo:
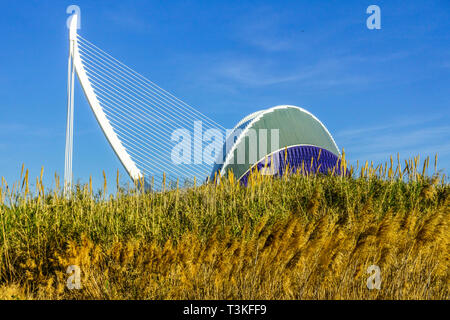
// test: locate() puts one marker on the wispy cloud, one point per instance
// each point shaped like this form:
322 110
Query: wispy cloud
277 51
262 29
254 74
410 138
345 70
387 57
325 73
424 136
128 19
356 132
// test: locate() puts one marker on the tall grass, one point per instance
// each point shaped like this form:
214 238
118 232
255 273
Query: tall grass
296 237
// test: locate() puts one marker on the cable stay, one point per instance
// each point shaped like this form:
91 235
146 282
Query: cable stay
139 118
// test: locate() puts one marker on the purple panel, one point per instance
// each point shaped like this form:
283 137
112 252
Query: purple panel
295 156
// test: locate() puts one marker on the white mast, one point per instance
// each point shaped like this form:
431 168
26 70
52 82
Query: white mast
70 105
75 65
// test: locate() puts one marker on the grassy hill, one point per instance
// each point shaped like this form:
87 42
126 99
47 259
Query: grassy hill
295 237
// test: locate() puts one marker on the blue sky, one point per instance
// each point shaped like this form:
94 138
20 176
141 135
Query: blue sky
379 92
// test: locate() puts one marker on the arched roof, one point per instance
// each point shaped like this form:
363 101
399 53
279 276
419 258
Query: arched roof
296 126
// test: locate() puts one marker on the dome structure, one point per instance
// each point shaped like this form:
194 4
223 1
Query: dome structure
274 139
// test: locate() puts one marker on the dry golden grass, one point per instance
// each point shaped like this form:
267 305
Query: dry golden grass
299 237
